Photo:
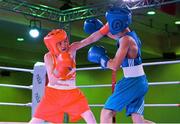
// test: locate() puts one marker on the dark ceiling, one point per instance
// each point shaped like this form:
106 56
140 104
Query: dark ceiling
158 33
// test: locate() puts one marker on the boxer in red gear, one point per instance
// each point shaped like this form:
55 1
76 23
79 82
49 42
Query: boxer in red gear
61 94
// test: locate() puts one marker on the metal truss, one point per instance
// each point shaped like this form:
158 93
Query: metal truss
78 13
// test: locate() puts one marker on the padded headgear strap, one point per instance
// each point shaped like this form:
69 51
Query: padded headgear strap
53 37
118 19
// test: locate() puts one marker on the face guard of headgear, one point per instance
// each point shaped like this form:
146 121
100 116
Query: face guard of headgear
54 37
118 19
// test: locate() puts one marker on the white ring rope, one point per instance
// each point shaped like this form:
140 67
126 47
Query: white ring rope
91 105
161 63
162 105
146 105
95 86
164 83
17 69
15 104
90 68
89 86
110 85
144 64
16 86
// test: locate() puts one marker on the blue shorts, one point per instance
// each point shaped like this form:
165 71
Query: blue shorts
129 93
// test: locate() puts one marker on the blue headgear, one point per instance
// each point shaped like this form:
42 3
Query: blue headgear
92 25
118 19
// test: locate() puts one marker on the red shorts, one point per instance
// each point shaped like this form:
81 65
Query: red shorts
56 102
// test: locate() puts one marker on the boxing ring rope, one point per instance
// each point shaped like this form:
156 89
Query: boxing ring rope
88 86
146 105
17 69
92 86
15 104
90 68
161 63
109 85
96 86
164 83
16 86
144 64
91 105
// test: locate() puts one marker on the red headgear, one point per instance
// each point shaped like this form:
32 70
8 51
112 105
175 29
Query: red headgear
53 37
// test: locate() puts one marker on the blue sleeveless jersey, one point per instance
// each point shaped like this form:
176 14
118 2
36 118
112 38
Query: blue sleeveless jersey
129 92
136 61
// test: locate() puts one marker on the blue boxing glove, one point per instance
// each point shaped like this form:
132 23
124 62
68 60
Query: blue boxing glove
97 54
92 25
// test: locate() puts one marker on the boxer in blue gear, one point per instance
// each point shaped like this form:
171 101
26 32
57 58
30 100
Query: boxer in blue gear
130 90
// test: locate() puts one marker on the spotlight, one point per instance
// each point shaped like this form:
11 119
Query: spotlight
35 27
34 32
151 12
177 22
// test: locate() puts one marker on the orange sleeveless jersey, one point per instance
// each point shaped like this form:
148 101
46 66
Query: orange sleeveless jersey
64 75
